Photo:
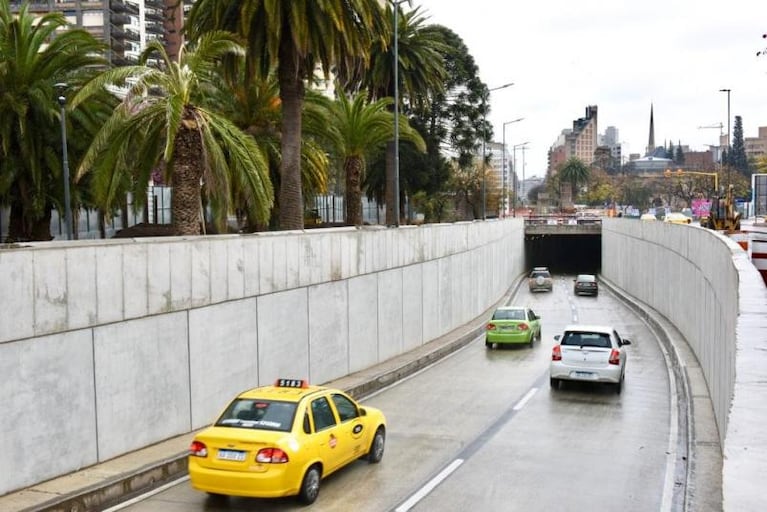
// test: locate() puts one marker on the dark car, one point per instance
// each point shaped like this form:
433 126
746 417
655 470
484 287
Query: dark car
586 284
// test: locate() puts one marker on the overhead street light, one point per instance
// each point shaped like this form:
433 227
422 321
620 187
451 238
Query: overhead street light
504 208
65 160
514 171
729 136
484 136
395 185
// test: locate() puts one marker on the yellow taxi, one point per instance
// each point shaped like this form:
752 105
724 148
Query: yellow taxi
677 218
281 440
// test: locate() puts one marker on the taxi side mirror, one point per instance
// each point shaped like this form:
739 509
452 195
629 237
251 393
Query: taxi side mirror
363 412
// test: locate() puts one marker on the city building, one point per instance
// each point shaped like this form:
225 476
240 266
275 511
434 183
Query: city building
756 146
579 142
125 25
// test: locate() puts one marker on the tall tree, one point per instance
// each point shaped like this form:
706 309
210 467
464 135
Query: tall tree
420 56
357 129
36 53
255 107
737 156
679 155
294 37
164 118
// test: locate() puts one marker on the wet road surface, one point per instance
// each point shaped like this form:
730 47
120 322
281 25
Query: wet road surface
482 430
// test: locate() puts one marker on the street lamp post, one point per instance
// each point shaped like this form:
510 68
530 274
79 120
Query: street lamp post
514 172
729 136
484 136
503 165
395 185
65 162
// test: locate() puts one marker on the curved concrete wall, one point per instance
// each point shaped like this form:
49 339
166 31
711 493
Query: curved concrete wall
109 346
704 283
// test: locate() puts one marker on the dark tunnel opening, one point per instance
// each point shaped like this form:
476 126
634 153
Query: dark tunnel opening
564 254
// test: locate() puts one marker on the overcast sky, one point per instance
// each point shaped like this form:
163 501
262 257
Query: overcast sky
563 55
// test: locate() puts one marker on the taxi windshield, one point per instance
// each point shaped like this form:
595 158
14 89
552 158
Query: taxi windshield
258 414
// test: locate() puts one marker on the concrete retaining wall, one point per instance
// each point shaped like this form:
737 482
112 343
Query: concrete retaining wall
109 346
704 283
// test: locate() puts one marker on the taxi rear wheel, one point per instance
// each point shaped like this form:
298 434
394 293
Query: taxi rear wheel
310 486
377 446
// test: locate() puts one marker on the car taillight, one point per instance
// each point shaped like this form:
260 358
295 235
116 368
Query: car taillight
490 327
198 449
556 353
271 455
615 356
523 327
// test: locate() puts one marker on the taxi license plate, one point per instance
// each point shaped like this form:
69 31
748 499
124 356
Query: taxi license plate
234 455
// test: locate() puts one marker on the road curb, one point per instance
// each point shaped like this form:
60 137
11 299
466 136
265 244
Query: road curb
685 453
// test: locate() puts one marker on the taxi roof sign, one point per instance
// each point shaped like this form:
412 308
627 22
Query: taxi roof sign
291 383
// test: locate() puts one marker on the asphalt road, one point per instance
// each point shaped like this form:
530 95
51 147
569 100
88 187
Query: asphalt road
482 430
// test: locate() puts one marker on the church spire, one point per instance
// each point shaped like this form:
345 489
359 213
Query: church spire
651 141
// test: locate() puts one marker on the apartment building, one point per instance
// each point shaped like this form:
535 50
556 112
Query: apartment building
580 141
756 146
125 25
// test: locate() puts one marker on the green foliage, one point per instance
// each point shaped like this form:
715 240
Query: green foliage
737 158
575 172
679 155
294 38
36 53
162 108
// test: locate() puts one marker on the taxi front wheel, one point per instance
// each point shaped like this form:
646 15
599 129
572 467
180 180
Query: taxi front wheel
310 486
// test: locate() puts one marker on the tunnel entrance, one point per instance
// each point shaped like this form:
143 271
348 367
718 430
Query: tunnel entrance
564 254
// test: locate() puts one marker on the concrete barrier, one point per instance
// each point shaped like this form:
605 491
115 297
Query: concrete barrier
704 283
110 346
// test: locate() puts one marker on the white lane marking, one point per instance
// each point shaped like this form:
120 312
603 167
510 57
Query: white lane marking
525 399
146 495
426 489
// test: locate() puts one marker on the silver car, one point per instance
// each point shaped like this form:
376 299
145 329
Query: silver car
540 280
589 353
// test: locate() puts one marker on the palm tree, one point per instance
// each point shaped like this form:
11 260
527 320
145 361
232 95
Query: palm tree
421 51
164 118
574 172
254 106
36 53
357 129
295 38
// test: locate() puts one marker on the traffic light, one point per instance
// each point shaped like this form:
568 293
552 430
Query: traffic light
667 173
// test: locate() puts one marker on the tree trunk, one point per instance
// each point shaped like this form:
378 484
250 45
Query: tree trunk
389 199
173 22
292 96
353 199
23 228
187 171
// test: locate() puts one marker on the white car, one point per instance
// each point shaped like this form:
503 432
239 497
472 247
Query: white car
589 353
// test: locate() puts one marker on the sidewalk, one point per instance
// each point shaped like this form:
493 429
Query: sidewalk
103 485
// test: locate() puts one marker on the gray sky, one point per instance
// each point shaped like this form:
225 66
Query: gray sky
563 55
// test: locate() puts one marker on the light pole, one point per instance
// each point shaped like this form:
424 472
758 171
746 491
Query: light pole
503 166
729 136
514 172
65 160
395 185
484 136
